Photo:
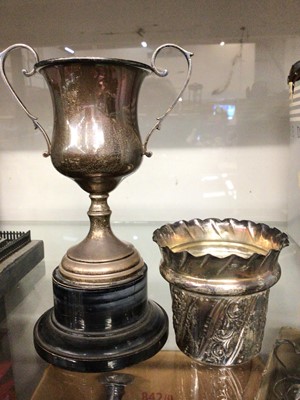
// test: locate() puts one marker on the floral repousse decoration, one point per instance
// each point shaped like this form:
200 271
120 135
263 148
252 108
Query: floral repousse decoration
220 273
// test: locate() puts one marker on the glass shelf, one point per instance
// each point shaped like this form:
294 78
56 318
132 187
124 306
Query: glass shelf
25 302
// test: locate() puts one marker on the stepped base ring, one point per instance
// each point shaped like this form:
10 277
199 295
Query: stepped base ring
112 272
88 352
100 328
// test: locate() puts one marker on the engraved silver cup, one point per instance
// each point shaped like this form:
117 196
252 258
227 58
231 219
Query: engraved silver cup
220 273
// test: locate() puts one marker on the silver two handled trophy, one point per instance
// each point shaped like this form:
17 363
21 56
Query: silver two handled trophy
101 319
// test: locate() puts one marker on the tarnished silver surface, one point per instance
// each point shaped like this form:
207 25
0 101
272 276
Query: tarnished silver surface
220 273
96 142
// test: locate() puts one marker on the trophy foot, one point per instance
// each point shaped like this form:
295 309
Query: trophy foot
105 329
114 271
101 258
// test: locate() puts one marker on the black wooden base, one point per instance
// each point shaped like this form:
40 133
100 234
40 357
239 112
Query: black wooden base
100 329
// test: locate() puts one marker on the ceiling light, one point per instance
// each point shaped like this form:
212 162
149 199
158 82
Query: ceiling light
68 50
222 43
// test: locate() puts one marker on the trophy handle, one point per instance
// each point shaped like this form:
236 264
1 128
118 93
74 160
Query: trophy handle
3 56
163 73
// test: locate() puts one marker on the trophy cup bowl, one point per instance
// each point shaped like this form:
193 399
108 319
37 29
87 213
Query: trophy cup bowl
96 139
101 319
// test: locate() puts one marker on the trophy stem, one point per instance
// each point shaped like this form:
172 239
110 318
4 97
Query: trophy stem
99 214
100 229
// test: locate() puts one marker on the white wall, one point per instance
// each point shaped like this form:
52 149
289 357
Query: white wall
242 183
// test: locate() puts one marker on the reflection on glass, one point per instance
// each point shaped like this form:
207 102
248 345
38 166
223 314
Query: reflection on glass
223 186
288 386
214 383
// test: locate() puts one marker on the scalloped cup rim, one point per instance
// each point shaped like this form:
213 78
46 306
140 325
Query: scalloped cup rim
232 274
159 237
92 60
